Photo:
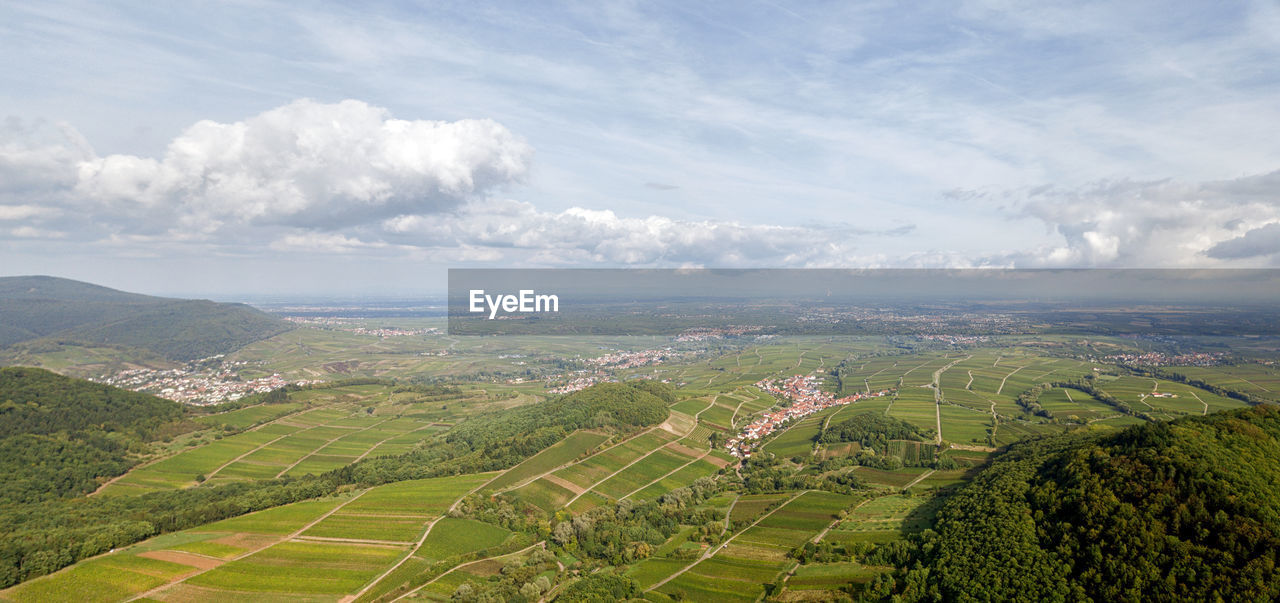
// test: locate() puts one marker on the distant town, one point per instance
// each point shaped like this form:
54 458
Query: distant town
354 325
1162 359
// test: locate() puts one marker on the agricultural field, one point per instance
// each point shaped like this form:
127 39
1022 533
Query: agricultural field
306 568
319 430
885 518
800 438
1166 399
1254 378
415 538
572 447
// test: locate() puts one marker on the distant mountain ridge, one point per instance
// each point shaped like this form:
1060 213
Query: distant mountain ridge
35 308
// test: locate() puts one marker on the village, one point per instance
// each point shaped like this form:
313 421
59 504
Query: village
194 386
806 397
1163 359
354 325
584 378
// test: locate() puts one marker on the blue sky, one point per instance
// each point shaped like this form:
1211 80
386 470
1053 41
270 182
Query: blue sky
239 147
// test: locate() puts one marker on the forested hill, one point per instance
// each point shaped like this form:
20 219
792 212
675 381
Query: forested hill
43 308
59 436
1184 510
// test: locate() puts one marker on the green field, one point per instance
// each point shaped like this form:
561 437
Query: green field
301 567
332 547
568 449
451 536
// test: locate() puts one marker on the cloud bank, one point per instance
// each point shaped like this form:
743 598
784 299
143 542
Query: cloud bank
1159 224
348 178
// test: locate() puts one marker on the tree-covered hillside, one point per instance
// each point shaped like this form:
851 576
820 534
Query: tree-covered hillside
44 311
59 436
871 430
1183 510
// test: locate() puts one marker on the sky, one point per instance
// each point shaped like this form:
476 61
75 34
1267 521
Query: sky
249 148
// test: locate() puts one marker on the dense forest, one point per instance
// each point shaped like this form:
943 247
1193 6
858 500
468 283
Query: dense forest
1184 510
42 313
59 436
872 430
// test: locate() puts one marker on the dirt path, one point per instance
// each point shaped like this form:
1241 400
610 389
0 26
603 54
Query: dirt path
969 385
1251 383
1006 378
733 504
1206 405
733 421
918 479
937 394
995 421
835 523
715 549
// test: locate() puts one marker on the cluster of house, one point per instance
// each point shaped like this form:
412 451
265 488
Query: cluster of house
705 333
577 383
196 387
353 325
806 396
955 339
1162 359
633 359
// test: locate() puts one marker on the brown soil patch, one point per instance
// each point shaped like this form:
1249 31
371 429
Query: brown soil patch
682 449
486 567
247 541
717 461
191 559
564 483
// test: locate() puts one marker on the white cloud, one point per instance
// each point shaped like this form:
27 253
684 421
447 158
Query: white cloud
305 164
23 212
1262 241
1157 224
347 178
312 164
579 235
